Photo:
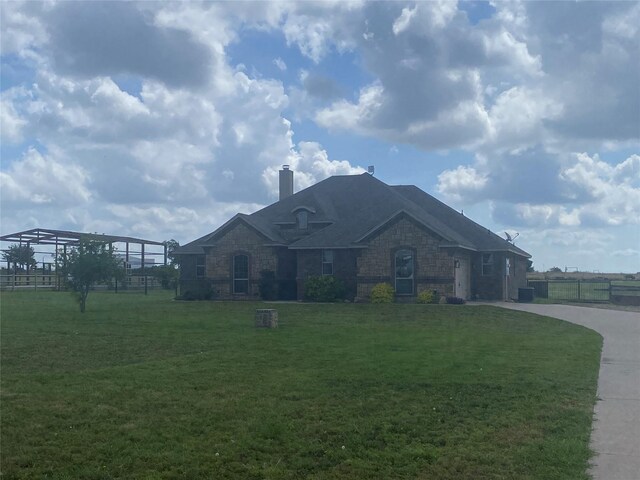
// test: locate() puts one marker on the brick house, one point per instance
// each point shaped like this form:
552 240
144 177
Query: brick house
362 231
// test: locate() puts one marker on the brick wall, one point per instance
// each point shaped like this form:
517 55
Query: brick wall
433 267
487 287
518 275
344 268
240 239
189 281
492 287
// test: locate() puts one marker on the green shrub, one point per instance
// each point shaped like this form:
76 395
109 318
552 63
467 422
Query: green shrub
268 286
382 293
168 276
326 288
427 296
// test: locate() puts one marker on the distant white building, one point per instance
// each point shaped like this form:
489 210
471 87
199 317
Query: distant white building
135 262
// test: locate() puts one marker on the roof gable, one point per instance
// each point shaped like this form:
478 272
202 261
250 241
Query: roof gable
481 237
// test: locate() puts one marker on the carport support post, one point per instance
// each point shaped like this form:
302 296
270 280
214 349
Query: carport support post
142 270
57 263
64 256
115 290
127 270
28 265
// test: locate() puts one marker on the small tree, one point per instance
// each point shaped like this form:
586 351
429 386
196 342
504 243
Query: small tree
88 264
22 255
168 276
171 247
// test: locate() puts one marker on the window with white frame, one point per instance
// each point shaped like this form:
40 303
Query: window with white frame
404 272
200 266
241 273
327 262
487 264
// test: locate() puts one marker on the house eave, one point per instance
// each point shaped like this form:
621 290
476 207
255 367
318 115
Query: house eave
460 246
329 247
510 250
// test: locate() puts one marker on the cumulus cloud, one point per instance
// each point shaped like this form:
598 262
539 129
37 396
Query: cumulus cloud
520 90
462 183
429 88
278 62
591 66
317 27
11 123
20 27
44 180
90 39
311 164
578 190
151 161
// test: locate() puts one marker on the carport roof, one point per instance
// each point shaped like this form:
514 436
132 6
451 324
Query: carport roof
45 236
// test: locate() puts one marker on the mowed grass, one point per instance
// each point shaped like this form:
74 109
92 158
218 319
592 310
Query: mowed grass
146 387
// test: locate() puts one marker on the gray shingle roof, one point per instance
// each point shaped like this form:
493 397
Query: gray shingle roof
353 207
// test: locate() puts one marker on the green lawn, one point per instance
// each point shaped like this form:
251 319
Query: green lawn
146 387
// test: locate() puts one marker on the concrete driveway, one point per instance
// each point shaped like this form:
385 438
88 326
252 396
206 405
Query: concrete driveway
616 427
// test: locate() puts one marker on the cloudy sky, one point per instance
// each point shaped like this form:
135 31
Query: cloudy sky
162 120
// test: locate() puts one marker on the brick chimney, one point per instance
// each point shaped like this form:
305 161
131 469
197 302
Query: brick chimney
286 182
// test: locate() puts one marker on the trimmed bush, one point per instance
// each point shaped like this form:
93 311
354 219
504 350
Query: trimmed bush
426 296
382 293
455 300
326 288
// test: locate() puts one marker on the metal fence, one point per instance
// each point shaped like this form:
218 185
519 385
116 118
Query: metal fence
587 290
39 281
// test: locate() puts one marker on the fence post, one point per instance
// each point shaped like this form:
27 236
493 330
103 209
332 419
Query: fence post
579 297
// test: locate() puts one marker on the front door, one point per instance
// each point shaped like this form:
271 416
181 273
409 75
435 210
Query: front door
462 277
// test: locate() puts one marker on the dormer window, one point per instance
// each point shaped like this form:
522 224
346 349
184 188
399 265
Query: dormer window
302 216
302 219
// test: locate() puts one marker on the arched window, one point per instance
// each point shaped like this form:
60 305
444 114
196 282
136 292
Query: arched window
404 272
241 274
